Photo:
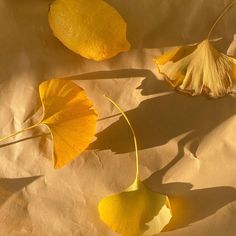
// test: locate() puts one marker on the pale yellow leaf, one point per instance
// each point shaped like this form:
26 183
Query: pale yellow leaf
199 69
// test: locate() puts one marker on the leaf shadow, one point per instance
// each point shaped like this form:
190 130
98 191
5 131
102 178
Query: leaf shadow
159 119
121 74
189 205
192 205
10 186
155 181
195 205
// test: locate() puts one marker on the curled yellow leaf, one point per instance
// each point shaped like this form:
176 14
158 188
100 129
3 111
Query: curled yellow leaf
137 210
68 114
200 68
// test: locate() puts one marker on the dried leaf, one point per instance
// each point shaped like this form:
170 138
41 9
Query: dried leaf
137 210
199 69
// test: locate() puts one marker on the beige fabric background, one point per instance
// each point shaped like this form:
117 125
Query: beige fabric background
187 145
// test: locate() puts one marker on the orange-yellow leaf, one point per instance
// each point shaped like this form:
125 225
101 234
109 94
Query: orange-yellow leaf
69 115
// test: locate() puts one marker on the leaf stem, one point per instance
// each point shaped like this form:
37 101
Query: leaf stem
18 132
221 15
134 138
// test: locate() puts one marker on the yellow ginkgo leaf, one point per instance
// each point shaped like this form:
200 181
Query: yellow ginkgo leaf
130 212
137 210
200 68
68 114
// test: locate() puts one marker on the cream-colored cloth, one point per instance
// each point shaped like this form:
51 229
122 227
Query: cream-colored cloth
187 144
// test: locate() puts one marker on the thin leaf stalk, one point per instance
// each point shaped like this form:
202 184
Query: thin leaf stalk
18 132
136 182
221 15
